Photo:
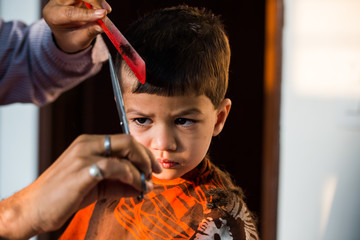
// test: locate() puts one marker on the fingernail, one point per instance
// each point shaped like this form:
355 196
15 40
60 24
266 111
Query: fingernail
106 6
100 12
98 28
149 186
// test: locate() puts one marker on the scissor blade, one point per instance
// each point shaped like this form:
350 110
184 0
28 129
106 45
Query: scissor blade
129 54
122 115
118 97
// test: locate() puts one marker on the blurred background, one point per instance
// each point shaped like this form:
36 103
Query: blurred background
292 140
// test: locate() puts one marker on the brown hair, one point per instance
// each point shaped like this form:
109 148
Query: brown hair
186 51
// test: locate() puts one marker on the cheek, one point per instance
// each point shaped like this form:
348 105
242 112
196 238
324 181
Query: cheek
200 143
141 137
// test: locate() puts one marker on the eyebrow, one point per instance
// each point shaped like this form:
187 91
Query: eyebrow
190 111
131 110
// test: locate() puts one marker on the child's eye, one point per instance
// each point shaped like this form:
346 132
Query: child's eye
184 122
142 121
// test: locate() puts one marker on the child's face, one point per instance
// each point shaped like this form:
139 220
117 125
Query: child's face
178 130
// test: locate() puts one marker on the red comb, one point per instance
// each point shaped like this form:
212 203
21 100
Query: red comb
131 57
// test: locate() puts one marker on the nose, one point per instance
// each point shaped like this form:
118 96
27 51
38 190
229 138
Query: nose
164 139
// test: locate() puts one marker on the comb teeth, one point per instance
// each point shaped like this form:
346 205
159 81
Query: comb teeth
128 53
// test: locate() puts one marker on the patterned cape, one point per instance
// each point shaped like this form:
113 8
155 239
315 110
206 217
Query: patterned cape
198 205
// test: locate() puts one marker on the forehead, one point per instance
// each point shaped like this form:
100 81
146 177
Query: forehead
144 101
151 104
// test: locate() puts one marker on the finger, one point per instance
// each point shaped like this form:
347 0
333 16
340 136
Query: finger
70 14
136 153
124 171
125 146
93 30
73 42
156 166
120 179
122 146
119 169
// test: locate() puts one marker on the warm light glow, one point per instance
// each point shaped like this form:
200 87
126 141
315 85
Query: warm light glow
328 195
326 58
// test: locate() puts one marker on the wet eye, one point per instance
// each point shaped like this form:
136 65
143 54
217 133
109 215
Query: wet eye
184 122
142 121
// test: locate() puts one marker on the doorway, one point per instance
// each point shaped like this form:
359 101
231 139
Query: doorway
89 108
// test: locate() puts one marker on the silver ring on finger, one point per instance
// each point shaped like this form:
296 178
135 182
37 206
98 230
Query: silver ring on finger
107 146
95 172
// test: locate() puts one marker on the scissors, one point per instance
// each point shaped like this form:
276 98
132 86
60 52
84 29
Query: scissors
122 115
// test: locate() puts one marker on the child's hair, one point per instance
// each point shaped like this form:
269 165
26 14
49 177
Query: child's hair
186 51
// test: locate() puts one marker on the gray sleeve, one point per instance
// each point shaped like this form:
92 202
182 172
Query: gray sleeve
33 69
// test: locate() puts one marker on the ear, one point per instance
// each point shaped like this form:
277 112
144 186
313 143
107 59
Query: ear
221 115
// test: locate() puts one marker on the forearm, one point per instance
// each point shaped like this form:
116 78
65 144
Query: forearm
15 221
34 70
57 71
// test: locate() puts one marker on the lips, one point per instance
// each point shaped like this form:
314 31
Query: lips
165 163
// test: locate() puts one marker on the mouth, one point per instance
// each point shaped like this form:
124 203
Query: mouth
166 163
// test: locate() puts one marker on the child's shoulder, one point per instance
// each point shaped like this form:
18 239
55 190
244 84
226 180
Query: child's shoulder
227 209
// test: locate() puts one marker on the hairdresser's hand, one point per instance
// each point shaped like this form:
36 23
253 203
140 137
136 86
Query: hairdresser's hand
66 186
73 25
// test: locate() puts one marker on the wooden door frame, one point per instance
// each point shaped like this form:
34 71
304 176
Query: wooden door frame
272 98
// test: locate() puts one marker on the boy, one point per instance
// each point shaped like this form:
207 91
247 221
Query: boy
175 114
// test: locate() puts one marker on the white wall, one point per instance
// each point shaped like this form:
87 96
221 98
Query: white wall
18 122
319 191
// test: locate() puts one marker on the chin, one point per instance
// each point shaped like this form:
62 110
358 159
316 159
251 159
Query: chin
166 175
